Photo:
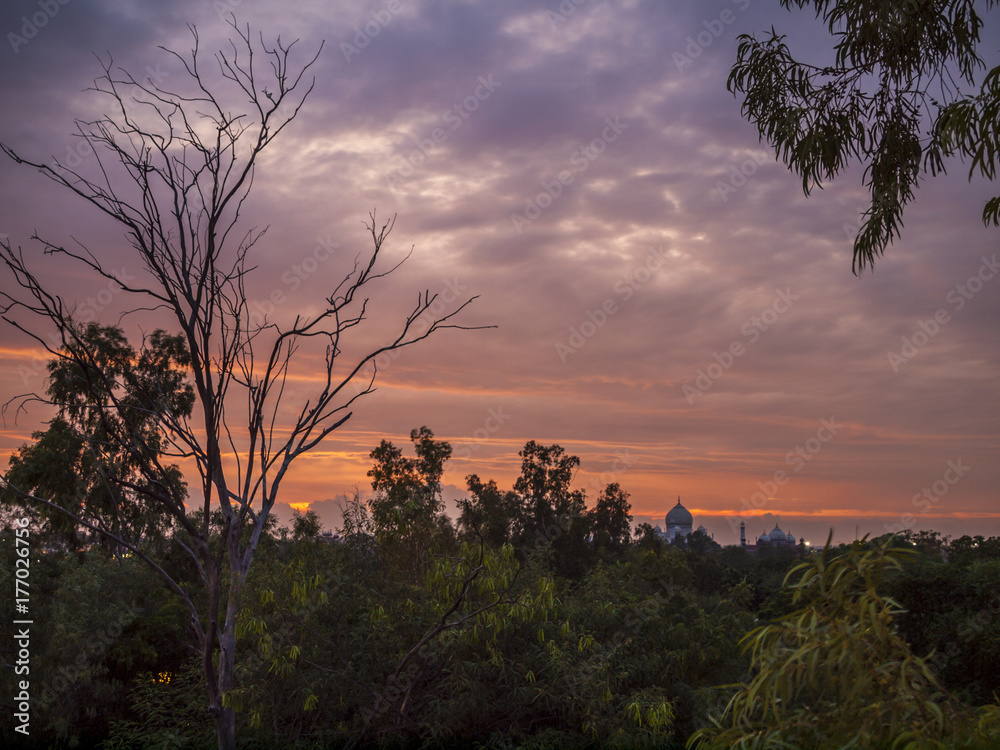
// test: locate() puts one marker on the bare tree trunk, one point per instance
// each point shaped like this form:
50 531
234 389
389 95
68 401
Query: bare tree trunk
225 729
225 717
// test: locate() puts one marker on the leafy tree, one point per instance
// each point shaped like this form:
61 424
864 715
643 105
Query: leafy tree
306 525
106 618
891 100
407 510
166 711
490 514
611 521
544 488
305 637
471 601
709 574
835 672
968 548
174 169
337 650
647 538
951 615
546 473
700 542
78 464
554 518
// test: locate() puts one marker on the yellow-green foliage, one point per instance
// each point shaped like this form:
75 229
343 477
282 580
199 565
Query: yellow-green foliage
834 673
484 581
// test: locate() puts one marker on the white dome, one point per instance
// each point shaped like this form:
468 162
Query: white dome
679 516
777 535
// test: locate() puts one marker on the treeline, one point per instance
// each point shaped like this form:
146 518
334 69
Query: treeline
531 620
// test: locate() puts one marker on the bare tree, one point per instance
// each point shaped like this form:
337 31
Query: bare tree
174 169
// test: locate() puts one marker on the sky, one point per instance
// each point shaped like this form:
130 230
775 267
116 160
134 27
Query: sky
668 305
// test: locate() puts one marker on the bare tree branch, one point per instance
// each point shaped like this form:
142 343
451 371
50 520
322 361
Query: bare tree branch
173 167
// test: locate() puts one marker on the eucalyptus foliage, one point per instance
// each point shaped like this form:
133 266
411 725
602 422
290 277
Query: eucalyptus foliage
835 673
892 100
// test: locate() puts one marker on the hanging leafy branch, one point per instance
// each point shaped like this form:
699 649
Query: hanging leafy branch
891 100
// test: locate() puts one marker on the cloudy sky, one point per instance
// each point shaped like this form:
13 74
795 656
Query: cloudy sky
668 305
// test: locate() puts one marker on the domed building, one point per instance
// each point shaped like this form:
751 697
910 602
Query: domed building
679 525
777 538
679 522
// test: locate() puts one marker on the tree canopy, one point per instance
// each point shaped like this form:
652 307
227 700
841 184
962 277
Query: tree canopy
78 465
501 643
895 99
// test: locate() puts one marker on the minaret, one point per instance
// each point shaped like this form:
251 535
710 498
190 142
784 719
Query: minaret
743 533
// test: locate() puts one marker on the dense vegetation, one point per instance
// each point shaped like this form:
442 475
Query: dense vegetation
529 621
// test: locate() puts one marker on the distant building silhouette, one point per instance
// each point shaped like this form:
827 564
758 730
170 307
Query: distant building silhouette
777 539
679 524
